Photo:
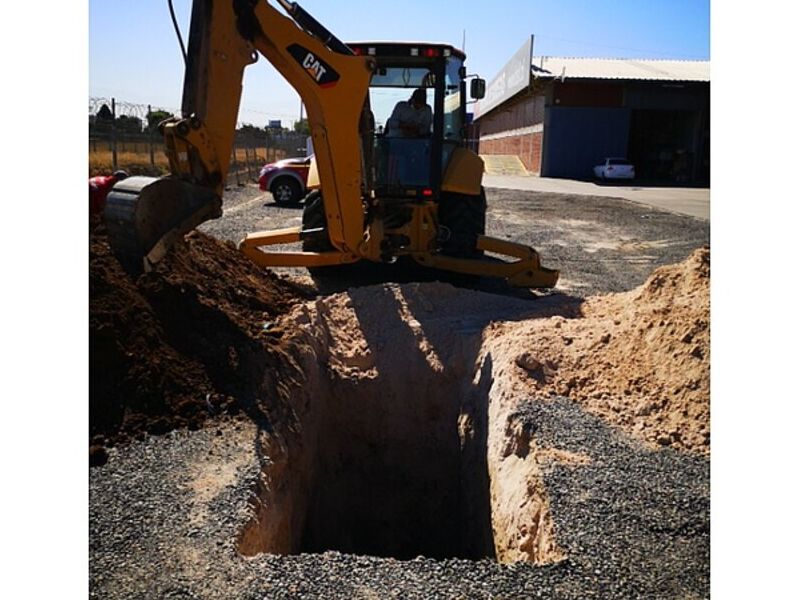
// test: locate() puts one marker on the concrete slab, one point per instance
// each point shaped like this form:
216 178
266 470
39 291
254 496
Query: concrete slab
694 202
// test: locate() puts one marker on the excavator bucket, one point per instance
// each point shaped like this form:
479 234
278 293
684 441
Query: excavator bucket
145 216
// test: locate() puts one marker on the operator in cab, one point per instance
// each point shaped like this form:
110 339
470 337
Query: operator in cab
411 118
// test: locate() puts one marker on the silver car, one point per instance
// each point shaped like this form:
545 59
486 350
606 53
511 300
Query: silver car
615 168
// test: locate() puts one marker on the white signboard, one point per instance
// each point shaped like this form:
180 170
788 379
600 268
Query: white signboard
513 77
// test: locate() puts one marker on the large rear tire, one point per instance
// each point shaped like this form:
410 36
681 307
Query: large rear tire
314 218
465 218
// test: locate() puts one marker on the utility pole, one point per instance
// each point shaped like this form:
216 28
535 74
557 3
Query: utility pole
150 138
301 126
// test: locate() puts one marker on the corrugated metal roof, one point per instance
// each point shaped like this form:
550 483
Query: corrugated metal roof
621 68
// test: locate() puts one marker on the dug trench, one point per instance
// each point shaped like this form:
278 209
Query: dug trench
390 444
406 432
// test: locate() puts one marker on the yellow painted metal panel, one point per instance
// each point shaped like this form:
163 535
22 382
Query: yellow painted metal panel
312 181
464 173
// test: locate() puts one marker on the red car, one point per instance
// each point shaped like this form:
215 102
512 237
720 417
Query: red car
286 179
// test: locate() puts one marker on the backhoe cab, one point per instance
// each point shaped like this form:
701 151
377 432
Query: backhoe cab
421 186
376 195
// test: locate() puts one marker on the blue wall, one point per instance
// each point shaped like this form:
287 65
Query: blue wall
577 139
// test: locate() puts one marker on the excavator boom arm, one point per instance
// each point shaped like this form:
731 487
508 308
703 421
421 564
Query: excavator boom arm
330 79
225 37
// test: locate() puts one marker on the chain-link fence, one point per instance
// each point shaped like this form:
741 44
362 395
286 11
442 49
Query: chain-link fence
124 135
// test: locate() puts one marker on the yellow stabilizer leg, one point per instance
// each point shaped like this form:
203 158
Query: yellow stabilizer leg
251 247
526 271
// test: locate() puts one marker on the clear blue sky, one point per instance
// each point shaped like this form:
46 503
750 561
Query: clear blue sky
134 54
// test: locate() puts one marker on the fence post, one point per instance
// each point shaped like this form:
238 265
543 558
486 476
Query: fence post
247 159
150 139
235 166
113 134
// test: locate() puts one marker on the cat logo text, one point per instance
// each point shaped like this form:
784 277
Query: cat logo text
318 70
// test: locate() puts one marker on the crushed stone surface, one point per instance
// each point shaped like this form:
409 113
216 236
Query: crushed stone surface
634 519
634 522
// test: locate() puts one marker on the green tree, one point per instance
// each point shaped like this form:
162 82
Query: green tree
105 114
102 121
302 126
154 117
251 130
129 124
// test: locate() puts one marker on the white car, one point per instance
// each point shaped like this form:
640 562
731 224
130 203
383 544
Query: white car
615 168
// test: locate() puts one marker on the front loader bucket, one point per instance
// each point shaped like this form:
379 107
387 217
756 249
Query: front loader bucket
144 216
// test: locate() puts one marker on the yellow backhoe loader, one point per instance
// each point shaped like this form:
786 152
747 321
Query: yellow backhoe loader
376 196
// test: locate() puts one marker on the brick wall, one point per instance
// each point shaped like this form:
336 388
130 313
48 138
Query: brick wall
522 112
527 146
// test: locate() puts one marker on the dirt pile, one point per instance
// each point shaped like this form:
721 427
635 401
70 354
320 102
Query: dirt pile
639 359
191 338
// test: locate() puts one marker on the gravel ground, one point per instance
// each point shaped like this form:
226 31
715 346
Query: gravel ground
164 512
599 244
635 524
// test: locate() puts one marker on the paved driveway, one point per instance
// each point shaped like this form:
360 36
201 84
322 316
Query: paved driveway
686 201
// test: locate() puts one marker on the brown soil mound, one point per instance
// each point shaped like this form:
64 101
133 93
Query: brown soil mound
191 338
639 359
